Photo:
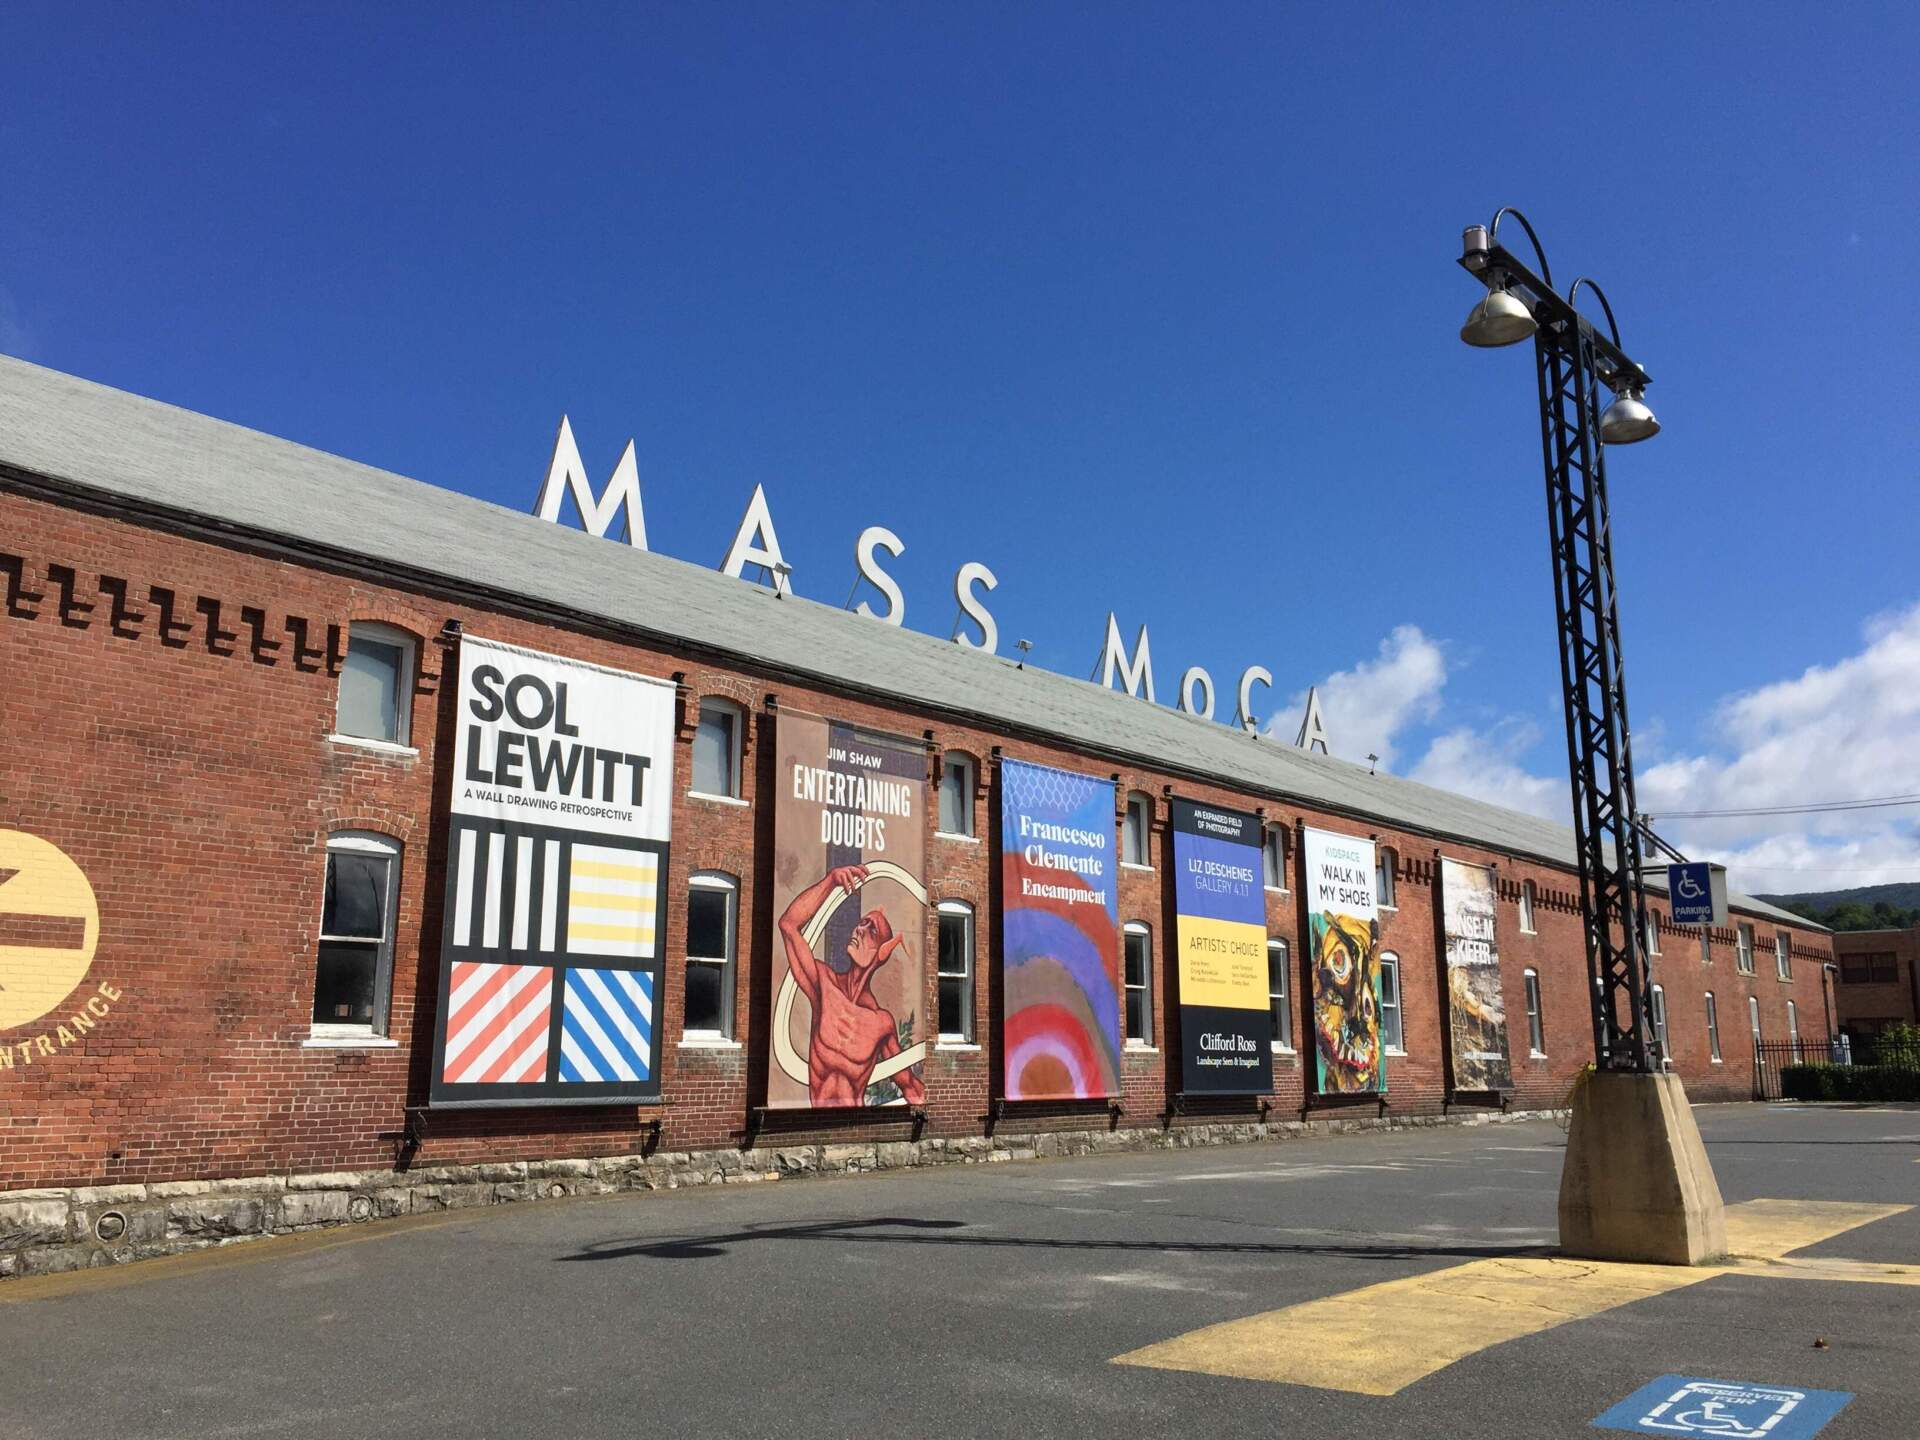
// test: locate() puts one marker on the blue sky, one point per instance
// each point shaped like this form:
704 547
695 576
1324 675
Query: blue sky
1150 308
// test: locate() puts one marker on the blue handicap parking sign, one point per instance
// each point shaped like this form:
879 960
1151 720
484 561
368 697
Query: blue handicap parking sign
1690 889
1725 1409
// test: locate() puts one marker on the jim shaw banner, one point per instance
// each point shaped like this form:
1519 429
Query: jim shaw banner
1060 934
1476 1009
850 897
1343 942
1226 1028
556 872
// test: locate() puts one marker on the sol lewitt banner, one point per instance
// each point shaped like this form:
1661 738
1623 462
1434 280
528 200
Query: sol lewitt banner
1476 1010
1060 933
556 874
850 901
1226 1028
1343 940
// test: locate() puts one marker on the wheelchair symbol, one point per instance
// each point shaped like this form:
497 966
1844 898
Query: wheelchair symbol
1690 888
1711 1419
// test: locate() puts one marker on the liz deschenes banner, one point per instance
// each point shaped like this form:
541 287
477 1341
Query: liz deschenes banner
1343 942
1476 1009
1226 1027
850 897
557 850
1060 932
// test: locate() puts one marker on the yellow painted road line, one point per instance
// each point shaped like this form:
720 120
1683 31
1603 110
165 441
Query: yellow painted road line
1380 1339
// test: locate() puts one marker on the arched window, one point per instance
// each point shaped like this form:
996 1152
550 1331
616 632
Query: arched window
1133 834
1536 1029
353 977
956 972
1659 1007
1137 940
716 749
956 794
1279 993
1527 894
1793 1029
1392 1033
1273 856
1384 865
713 941
375 699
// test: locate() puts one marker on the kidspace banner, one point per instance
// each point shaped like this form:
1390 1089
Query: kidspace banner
1226 1028
1343 941
1476 1009
1060 934
850 901
556 882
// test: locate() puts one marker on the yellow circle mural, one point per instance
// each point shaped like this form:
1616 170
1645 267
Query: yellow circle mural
49 926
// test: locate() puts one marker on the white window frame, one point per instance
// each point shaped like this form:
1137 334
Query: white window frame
402 743
1527 897
1653 934
715 881
1138 801
1713 1029
1386 866
1657 1003
323 1033
963 1037
1536 1017
1793 1029
1743 947
1283 1043
1706 946
1141 930
951 764
1390 961
1753 1017
1783 955
1273 857
715 706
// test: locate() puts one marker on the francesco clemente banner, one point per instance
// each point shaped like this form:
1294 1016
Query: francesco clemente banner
1059 919
556 882
1476 1009
1226 1027
850 901
1343 939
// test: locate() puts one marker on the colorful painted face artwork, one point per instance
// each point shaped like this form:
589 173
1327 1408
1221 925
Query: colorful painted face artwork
1226 1026
850 907
1059 919
1476 1009
1343 938
556 873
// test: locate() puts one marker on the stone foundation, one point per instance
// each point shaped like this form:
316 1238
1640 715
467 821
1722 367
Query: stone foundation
45 1231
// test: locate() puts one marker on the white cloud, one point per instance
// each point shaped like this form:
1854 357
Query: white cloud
15 338
1486 765
1367 707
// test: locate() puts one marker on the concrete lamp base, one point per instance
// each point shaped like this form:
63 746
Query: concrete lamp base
1637 1184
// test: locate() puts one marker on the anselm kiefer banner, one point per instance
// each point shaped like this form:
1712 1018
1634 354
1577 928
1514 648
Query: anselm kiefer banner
556 874
1476 1009
1226 1027
1060 934
1343 940
850 900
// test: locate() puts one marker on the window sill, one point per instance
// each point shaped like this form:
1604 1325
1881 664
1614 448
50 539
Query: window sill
1280 1049
956 835
1525 931
1394 1050
1714 1061
1391 909
346 1038
708 1042
1274 889
733 800
1536 1054
1139 1047
378 747
955 1046
1132 865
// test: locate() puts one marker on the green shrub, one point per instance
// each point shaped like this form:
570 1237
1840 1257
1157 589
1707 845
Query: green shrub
1850 1082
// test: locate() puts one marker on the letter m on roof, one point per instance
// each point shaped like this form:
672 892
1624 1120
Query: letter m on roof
565 472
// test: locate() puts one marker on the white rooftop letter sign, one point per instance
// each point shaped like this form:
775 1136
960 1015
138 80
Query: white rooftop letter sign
754 543
1136 672
1313 730
622 496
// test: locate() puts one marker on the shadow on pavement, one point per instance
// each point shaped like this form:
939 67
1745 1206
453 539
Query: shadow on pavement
702 1247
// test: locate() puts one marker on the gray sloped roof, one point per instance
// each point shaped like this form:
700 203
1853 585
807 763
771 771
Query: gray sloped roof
132 450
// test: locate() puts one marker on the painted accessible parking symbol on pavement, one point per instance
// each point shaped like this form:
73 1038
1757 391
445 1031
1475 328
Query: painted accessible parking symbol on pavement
1726 1409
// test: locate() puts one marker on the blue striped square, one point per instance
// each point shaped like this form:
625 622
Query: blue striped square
606 1027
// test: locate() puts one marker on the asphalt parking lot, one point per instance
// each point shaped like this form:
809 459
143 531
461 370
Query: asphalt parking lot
994 1300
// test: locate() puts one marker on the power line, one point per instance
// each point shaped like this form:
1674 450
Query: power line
1880 802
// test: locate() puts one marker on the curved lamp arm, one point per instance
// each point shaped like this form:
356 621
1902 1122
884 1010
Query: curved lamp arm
1493 233
1594 285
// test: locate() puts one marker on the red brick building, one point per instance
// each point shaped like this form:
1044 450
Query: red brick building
1878 983
196 616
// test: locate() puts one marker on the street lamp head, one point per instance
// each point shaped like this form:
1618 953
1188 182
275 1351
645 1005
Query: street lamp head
1499 319
1628 419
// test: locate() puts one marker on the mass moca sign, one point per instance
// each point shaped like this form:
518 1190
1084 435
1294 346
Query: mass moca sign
757 543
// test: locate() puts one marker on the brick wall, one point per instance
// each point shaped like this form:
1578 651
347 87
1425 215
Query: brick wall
166 719
1867 1007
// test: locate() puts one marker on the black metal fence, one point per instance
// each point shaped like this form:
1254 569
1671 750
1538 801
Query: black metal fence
1771 1057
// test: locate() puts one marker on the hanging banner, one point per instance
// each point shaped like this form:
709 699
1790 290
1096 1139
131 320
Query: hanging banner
556 882
1060 935
1226 1027
849 979
1476 1009
1343 939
